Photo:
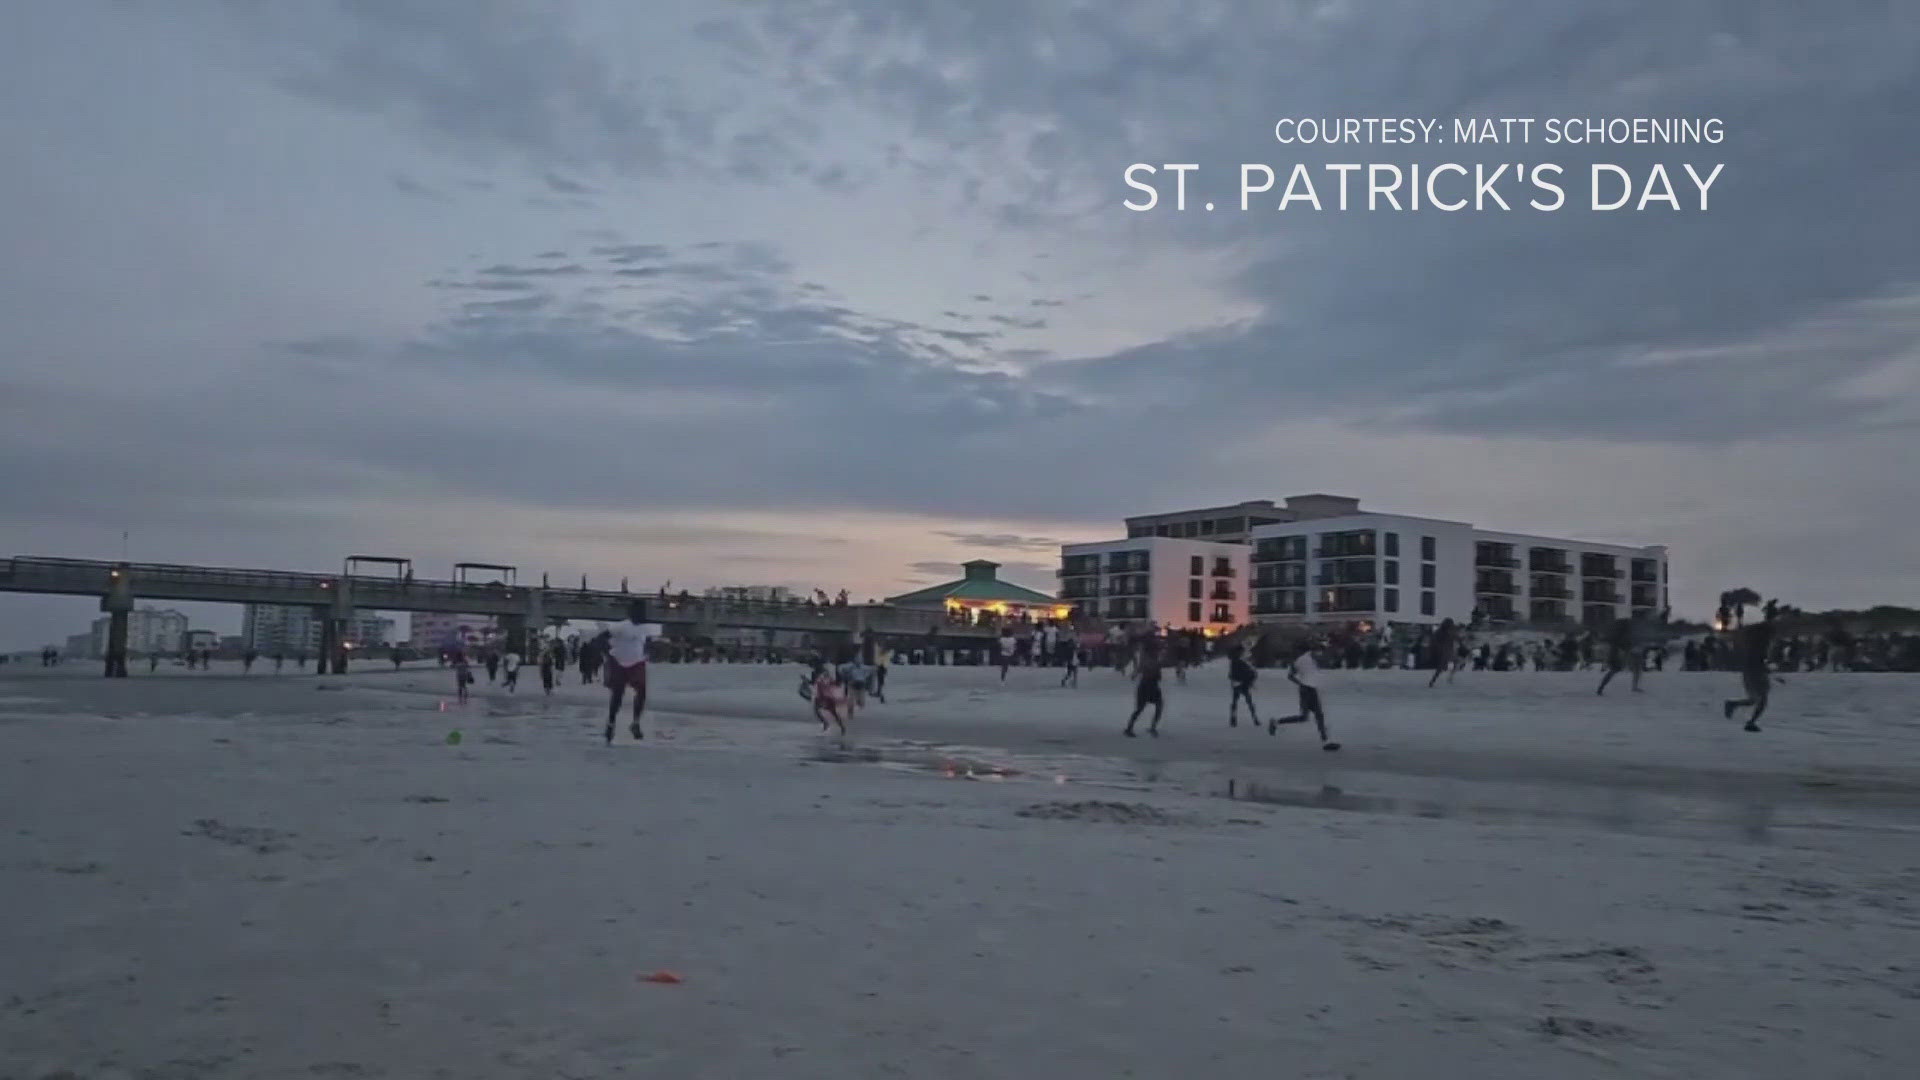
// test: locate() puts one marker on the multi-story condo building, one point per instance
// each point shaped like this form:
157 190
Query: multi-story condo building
1322 559
1223 524
1174 584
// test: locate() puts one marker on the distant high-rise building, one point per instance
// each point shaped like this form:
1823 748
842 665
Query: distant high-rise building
150 631
277 629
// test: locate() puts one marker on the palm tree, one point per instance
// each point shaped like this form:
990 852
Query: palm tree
1739 599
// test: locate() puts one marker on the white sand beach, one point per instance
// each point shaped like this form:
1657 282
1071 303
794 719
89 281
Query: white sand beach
261 876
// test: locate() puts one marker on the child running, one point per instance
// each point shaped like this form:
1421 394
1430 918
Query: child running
1241 676
1305 674
1070 659
462 676
826 697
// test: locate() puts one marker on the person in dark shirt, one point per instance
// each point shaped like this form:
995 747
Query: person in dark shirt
1755 676
1147 690
1241 676
1446 642
1620 654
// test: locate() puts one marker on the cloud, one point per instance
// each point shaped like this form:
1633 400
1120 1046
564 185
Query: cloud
858 268
1008 541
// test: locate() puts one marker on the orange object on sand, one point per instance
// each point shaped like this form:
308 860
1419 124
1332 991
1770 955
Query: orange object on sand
662 977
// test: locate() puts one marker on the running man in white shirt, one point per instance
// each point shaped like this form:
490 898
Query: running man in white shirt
1305 674
625 646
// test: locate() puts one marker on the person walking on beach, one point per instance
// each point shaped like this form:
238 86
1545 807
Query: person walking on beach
510 667
153 662
1305 674
1070 659
1147 691
493 666
1240 676
1005 647
625 647
1446 643
1755 675
547 666
880 666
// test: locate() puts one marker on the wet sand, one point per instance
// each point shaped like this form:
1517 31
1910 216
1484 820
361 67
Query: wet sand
261 876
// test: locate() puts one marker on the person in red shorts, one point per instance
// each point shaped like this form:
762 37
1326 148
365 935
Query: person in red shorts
625 649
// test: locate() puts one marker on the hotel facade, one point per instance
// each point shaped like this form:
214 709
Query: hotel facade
1321 559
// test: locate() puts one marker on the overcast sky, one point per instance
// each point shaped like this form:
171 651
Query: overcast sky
842 292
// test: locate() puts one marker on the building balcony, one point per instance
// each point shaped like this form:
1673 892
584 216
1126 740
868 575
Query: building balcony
1497 562
1340 608
1646 575
1334 581
1497 588
1225 570
1600 598
1345 553
1223 594
1552 592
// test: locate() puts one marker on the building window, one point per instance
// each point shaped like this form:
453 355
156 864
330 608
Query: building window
1427 548
1233 525
1206 527
1191 528
1392 601
1193 612
1393 570
1199 566
1426 603
1393 545
1426 576
1193 589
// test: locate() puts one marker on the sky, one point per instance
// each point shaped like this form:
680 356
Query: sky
839 293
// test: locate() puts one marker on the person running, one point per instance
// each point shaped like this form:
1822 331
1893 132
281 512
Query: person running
850 675
548 665
1305 674
1621 654
624 647
1446 643
1006 645
462 676
493 666
826 698
1147 691
1070 659
1755 676
510 669
1241 676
